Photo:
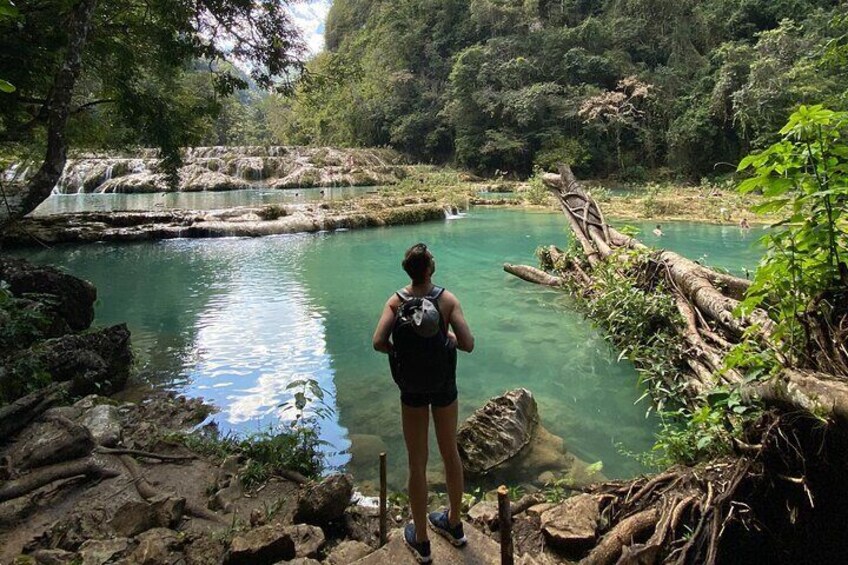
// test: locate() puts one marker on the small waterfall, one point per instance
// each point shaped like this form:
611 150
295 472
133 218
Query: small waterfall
453 213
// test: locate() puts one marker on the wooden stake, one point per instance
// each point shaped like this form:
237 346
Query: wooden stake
383 502
505 526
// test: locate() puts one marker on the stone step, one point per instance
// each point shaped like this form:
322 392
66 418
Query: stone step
481 550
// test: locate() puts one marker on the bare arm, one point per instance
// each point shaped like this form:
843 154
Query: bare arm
384 328
464 339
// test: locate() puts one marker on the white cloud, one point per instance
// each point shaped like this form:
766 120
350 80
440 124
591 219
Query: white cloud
310 17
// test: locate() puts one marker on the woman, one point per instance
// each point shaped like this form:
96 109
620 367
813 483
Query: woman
451 328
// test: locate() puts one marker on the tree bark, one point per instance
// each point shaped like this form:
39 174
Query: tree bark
625 533
532 274
58 108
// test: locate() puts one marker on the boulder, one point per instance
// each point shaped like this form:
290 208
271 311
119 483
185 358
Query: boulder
53 557
348 552
51 441
308 540
98 552
137 516
300 561
537 510
572 525
362 523
70 298
157 546
485 513
97 361
204 551
497 431
262 546
104 423
326 501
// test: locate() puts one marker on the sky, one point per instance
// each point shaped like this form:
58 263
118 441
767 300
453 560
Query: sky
310 17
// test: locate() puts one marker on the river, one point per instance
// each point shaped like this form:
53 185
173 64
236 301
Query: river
236 320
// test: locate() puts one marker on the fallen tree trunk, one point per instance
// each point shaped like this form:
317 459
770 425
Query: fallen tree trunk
706 300
786 469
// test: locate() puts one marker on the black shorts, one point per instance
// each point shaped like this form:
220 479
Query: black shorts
439 399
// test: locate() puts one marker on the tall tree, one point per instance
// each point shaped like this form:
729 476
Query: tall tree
67 59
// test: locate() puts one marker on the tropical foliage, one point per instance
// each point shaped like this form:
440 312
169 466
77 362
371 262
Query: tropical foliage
803 277
614 87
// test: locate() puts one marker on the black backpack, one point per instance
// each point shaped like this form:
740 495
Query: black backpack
421 361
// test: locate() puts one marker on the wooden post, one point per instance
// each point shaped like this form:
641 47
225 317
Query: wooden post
505 526
383 502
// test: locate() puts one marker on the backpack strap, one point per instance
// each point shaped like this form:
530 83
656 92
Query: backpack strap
404 295
435 293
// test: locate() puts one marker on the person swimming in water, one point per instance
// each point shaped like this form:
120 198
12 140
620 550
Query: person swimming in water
743 223
658 231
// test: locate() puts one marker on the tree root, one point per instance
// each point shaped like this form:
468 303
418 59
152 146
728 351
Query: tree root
625 533
148 492
143 454
88 467
16 416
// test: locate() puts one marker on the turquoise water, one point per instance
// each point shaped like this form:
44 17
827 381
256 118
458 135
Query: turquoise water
235 320
97 202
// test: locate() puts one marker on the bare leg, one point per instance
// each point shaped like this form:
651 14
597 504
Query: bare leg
416 422
445 422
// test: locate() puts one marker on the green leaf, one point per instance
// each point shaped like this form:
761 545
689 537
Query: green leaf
770 206
6 86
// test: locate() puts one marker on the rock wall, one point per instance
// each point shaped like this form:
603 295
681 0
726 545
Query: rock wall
227 168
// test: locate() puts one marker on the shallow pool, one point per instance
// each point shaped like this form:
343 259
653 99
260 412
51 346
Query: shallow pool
236 320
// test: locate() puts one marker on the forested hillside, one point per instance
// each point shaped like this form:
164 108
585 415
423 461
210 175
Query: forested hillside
628 88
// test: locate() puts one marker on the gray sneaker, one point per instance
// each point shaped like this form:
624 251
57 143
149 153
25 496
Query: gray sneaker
440 523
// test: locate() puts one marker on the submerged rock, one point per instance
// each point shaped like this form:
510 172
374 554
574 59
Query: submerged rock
326 501
232 222
497 431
